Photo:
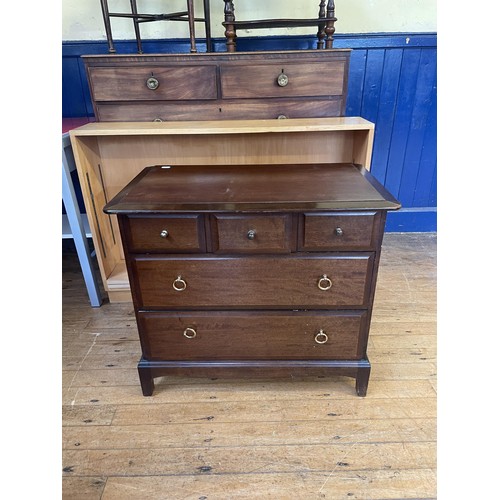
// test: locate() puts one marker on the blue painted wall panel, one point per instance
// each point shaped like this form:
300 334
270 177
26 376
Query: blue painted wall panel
386 111
73 103
420 113
425 190
392 82
412 220
402 120
433 190
371 88
356 82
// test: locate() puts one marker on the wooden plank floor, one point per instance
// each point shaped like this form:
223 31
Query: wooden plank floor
255 438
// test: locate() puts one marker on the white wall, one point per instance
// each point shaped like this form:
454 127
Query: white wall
82 19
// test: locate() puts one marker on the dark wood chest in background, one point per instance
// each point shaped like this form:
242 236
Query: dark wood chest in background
255 268
218 86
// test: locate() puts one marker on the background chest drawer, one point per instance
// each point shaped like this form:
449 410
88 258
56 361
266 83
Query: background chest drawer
216 110
338 231
282 79
249 335
320 281
142 83
182 233
251 233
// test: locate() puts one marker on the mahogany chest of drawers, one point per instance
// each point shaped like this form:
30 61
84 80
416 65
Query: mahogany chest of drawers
261 268
218 86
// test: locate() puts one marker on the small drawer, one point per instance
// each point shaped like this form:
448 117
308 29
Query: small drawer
228 335
295 281
143 83
251 233
282 79
166 234
338 231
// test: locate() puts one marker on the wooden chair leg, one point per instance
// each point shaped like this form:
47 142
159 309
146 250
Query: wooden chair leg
208 30
133 8
330 27
107 25
321 25
192 37
230 32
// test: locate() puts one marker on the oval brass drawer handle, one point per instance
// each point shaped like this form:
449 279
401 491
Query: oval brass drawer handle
325 283
164 234
282 80
189 333
152 83
179 284
321 337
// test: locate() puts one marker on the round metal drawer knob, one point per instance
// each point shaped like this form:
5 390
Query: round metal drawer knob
164 233
321 337
179 284
282 117
282 80
338 231
152 83
325 283
251 234
189 333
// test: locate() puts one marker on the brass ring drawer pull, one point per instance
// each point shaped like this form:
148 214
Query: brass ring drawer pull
321 337
179 284
164 234
152 83
282 117
158 120
282 80
325 283
189 333
251 234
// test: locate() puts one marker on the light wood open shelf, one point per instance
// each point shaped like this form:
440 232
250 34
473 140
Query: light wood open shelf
108 155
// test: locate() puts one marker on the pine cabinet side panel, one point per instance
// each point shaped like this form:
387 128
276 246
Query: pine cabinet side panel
106 239
363 147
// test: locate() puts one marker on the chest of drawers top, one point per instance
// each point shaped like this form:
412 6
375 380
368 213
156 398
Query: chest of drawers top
215 86
249 188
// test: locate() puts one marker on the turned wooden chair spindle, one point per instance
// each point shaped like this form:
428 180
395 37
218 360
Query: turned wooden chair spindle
138 18
325 21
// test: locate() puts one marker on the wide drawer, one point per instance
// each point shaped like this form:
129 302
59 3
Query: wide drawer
252 335
294 281
332 231
142 83
282 79
182 233
251 233
216 110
